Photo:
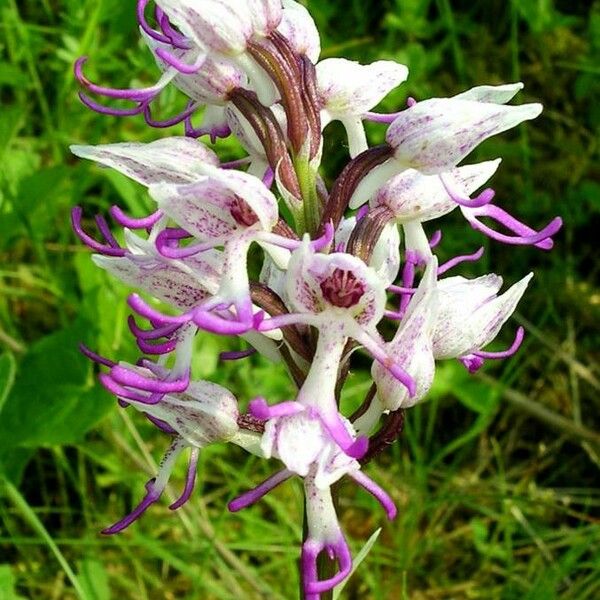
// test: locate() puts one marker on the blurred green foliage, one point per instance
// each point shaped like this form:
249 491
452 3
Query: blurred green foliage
496 477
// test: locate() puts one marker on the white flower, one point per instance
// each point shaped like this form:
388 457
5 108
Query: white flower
171 160
471 313
299 28
348 90
411 347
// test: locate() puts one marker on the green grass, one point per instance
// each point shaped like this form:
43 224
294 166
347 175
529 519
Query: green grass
496 477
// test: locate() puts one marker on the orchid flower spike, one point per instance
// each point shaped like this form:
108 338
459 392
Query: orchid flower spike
260 248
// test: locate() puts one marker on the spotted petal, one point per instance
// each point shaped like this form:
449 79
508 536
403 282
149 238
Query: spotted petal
348 88
204 414
172 160
218 205
415 197
471 314
212 24
211 83
433 136
299 28
182 284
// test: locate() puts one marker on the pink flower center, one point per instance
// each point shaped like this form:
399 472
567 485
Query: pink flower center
242 213
342 289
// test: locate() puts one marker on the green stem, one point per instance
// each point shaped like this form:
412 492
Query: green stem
311 210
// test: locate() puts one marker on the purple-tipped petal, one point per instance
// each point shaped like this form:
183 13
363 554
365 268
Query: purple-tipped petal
107 250
332 421
237 355
325 240
375 117
251 497
519 336
377 492
214 324
112 112
132 223
162 425
524 235
435 240
101 360
143 23
259 409
190 480
472 363
152 334
157 349
150 498
178 64
123 393
144 310
129 378
359 448
460 259
310 553
188 111
168 237
135 95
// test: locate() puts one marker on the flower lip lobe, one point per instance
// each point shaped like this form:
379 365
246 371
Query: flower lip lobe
342 289
242 213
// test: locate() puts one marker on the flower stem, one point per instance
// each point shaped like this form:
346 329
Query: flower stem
307 178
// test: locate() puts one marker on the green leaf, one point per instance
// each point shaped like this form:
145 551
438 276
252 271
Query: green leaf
51 184
8 369
53 400
360 557
130 192
93 578
13 462
453 379
7 584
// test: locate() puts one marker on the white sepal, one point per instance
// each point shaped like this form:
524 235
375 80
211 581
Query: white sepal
347 88
471 313
433 136
300 30
412 196
497 94
170 160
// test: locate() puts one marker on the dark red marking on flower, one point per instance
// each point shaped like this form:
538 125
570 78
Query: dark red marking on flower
242 213
342 289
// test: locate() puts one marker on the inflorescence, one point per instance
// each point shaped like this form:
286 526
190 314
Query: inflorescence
337 262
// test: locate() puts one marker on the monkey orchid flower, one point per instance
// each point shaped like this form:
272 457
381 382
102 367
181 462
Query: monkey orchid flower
308 450
412 198
433 136
344 299
230 209
205 414
470 315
